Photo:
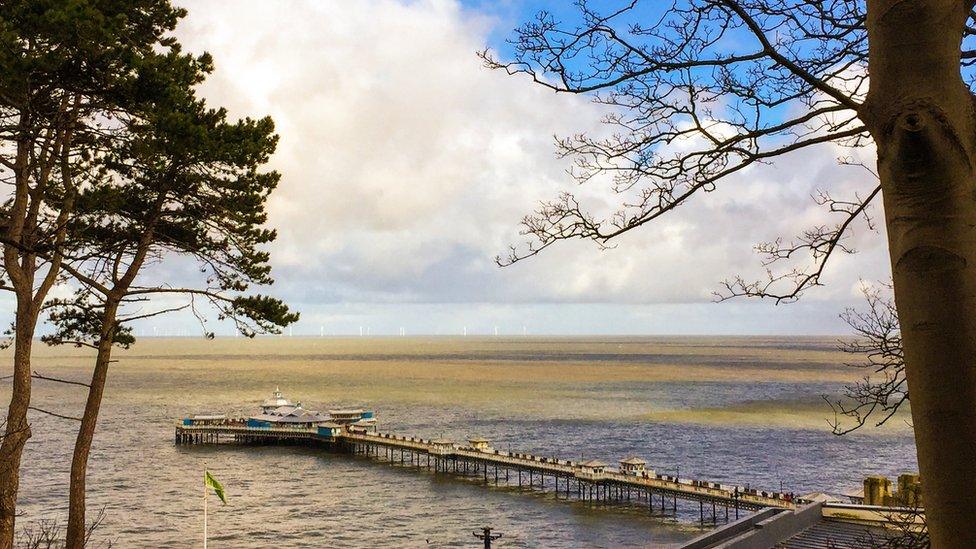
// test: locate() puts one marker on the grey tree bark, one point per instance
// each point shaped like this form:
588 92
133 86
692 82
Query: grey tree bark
921 115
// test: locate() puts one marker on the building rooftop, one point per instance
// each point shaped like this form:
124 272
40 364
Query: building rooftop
593 463
633 460
284 410
276 400
810 526
291 414
822 497
834 534
208 415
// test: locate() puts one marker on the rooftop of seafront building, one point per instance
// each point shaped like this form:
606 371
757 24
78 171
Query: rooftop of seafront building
278 409
292 414
276 400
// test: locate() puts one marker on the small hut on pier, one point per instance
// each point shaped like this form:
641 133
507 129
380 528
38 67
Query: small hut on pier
442 446
207 418
329 429
480 444
592 469
356 419
634 466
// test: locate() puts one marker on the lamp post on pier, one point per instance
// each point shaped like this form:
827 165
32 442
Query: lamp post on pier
486 536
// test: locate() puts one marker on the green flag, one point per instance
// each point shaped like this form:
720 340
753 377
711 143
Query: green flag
217 487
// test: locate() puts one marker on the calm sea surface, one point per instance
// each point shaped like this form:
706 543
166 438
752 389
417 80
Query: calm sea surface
735 410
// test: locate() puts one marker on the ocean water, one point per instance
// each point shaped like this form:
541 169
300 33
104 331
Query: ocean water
734 410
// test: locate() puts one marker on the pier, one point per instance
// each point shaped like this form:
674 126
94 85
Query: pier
590 481
770 518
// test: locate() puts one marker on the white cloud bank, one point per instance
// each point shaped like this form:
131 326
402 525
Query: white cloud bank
406 167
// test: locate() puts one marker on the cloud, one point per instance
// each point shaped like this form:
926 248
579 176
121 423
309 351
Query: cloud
406 167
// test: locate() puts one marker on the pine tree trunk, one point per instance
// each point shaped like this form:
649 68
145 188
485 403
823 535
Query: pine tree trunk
77 528
21 276
17 430
921 115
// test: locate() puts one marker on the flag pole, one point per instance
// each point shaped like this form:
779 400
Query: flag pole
204 508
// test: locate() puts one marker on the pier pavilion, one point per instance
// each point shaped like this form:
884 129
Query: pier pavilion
294 416
277 400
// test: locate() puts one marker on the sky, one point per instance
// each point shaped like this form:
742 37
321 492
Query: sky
407 166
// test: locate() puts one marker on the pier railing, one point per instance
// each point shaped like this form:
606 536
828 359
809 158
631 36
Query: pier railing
566 467
244 428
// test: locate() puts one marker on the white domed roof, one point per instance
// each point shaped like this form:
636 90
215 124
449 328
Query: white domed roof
276 400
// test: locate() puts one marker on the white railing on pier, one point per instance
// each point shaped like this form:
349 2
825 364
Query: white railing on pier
553 465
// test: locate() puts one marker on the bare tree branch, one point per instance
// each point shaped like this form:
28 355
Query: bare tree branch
695 93
41 410
877 343
36 375
820 242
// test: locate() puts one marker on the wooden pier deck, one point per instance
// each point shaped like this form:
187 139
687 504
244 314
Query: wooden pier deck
565 478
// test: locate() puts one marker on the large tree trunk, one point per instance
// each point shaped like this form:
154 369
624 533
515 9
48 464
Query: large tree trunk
77 528
17 429
921 115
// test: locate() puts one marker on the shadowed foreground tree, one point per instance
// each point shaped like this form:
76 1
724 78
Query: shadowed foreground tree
877 398
701 89
182 184
907 531
64 66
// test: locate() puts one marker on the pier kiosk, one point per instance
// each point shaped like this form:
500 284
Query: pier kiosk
592 470
480 444
634 466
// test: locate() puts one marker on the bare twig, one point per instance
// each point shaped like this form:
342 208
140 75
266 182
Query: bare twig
36 375
881 393
696 93
61 416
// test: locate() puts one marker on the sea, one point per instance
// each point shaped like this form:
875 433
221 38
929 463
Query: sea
750 411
